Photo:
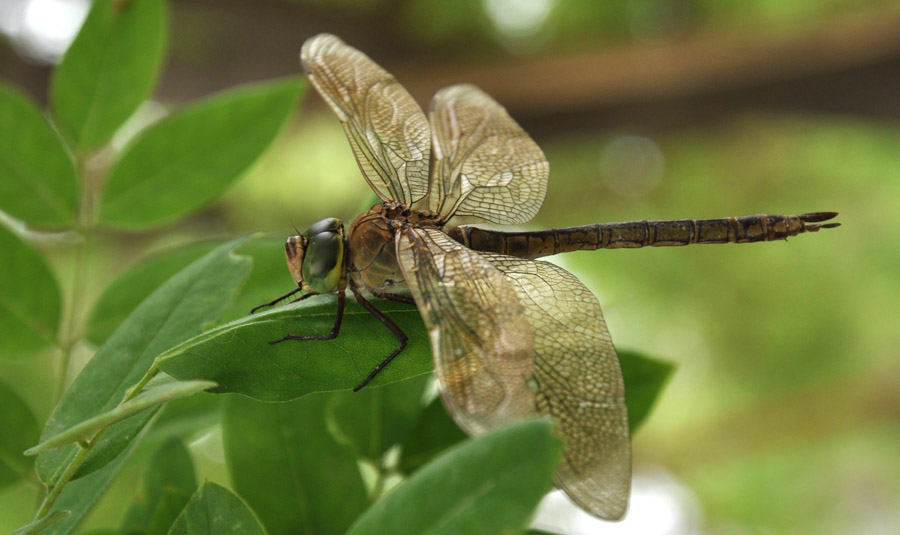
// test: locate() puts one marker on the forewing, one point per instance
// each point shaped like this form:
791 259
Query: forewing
480 338
578 382
387 130
485 166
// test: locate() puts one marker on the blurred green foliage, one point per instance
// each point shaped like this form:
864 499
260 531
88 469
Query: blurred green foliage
783 415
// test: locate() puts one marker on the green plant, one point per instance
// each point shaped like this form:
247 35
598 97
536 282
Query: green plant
294 464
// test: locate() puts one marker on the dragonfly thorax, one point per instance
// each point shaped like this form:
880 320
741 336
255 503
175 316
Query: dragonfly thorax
315 258
373 258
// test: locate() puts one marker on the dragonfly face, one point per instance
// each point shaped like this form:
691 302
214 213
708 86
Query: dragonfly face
512 337
316 257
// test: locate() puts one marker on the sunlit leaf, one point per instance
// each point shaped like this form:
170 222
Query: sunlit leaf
29 298
488 485
284 461
238 356
192 156
20 429
160 390
215 511
179 309
376 418
644 381
168 485
38 183
109 69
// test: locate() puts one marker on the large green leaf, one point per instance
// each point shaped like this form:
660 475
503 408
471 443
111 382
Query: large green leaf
488 485
192 156
162 389
644 381
269 278
376 418
20 429
215 511
179 309
123 294
109 69
29 298
238 357
38 183
284 461
168 485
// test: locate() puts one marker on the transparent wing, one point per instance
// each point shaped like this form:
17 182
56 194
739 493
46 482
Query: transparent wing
514 338
387 130
485 166
480 338
578 382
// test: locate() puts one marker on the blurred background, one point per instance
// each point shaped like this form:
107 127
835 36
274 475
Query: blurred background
784 413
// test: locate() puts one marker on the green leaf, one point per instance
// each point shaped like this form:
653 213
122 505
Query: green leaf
270 277
163 388
20 429
215 511
488 485
126 292
644 381
434 432
38 182
109 69
41 524
169 484
179 309
191 157
79 496
29 298
376 418
238 357
290 469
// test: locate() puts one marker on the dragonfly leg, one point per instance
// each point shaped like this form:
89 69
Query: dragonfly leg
398 332
395 297
277 300
335 328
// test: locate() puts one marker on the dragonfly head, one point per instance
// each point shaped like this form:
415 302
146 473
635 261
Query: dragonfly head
315 257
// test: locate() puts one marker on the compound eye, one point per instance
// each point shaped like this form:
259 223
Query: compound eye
322 262
329 224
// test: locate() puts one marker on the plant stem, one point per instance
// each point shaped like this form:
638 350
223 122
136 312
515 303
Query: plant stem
69 334
85 447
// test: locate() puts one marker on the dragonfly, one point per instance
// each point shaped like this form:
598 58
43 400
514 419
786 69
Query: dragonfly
512 337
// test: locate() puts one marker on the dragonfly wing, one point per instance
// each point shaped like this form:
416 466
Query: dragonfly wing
480 338
387 130
516 338
578 382
485 166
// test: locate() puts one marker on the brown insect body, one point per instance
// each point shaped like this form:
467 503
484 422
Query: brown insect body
512 337
371 242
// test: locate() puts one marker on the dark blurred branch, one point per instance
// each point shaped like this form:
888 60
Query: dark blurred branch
848 65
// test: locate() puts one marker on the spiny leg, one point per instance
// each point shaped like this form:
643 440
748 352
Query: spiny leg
398 332
399 298
277 300
335 328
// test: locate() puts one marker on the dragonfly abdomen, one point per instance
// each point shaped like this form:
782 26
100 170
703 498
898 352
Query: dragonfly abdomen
642 233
